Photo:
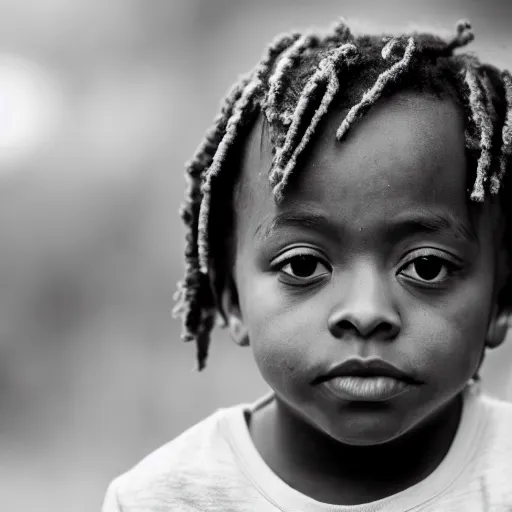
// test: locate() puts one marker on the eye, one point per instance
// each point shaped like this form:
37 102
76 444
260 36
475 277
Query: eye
303 267
429 269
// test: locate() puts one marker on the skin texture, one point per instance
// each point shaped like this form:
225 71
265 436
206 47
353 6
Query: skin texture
364 297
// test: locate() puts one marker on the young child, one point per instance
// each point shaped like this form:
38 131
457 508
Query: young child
349 217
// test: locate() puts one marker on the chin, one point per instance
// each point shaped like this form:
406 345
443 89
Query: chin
365 430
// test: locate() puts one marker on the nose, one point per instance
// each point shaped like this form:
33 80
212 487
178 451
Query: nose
365 309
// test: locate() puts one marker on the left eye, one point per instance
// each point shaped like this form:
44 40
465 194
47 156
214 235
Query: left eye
427 269
304 266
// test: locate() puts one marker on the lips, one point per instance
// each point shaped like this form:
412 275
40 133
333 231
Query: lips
369 380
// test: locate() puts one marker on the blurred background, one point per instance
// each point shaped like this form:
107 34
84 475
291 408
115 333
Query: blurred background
101 102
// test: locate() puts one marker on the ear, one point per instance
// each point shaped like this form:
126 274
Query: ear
230 312
500 317
498 327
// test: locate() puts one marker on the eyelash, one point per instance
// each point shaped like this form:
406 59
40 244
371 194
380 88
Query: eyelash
450 268
292 255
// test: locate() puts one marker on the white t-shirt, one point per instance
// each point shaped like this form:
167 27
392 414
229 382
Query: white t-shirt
214 466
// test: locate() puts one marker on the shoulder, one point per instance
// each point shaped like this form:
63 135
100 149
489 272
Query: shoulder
180 472
493 462
493 438
499 419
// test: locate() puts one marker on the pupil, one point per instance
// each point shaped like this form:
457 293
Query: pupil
303 266
427 267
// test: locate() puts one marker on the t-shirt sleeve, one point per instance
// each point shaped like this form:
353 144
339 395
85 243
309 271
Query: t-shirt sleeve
196 472
111 503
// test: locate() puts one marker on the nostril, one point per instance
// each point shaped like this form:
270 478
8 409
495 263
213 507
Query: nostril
390 330
386 327
346 325
343 328
379 329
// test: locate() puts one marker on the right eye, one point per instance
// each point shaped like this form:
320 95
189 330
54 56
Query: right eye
304 267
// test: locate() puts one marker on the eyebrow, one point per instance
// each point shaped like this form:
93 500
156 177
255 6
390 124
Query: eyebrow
309 219
433 222
398 228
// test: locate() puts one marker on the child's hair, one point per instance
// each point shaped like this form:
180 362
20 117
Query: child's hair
299 79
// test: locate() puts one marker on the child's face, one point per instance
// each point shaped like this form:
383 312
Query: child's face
396 265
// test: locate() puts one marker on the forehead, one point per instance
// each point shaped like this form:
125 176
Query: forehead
407 152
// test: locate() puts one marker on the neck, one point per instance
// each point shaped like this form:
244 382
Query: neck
309 460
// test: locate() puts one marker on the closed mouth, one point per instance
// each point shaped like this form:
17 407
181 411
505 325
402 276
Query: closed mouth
357 367
366 389
359 380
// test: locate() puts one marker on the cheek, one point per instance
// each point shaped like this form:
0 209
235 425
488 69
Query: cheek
453 331
281 332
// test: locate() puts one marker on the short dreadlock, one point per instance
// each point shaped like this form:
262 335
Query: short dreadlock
299 79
